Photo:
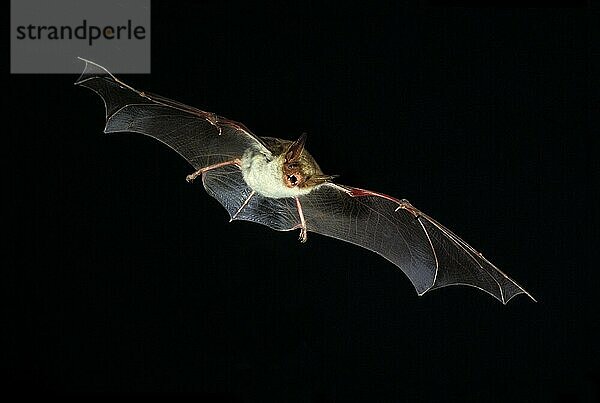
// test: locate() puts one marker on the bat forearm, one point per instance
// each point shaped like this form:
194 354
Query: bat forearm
402 203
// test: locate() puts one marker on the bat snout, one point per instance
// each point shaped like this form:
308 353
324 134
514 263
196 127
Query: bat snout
293 179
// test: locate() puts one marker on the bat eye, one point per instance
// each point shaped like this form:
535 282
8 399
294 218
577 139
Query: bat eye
293 180
292 166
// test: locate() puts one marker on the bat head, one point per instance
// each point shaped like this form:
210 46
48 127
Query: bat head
300 169
293 174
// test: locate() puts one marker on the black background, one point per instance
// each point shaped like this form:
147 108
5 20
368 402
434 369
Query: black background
123 278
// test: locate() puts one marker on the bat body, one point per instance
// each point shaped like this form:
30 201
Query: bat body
277 183
263 172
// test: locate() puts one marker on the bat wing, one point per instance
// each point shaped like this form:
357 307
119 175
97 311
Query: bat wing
428 253
202 138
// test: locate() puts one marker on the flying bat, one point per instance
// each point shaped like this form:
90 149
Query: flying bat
277 183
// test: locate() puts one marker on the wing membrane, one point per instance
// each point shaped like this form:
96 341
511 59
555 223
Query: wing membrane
227 185
371 222
428 253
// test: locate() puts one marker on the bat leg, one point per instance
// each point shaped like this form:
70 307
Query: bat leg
303 231
191 177
403 204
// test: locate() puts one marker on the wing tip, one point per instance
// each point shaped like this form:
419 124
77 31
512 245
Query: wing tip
521 291
81 79
86 75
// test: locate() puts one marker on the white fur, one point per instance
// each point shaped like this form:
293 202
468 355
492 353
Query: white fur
265 176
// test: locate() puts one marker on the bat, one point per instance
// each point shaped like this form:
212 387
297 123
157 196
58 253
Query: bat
277 183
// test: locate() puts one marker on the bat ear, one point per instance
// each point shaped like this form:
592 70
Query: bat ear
295 149
319 179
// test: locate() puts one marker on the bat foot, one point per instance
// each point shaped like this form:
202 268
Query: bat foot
303 235
190 178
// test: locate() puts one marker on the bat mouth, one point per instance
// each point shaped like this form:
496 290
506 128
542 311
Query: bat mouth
292 180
